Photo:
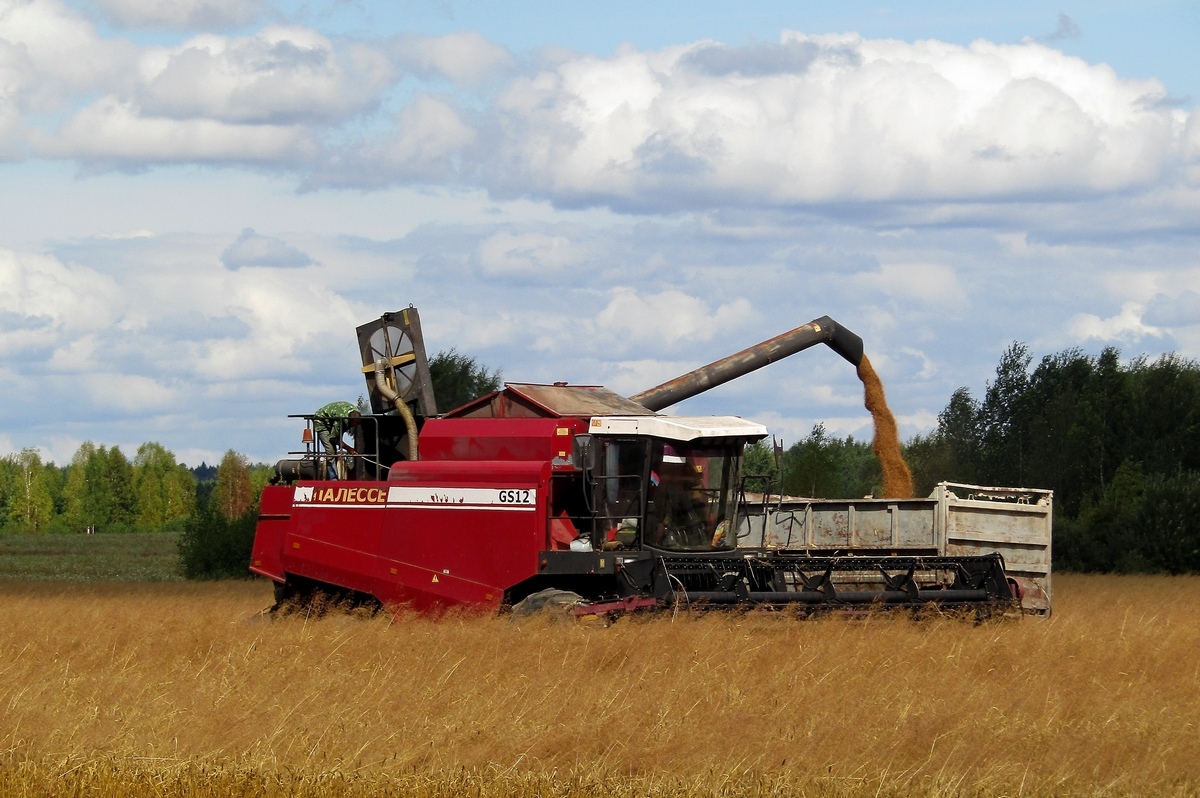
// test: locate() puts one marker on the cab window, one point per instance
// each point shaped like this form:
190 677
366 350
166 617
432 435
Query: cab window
691 497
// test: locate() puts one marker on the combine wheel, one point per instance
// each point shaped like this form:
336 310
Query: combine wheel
551 602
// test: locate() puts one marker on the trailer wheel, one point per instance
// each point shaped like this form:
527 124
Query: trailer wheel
551 602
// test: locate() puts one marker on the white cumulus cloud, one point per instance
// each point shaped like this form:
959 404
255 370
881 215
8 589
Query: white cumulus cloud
253 249
279 75
182 14
43 300
49 55
113 131
426 144
283 317
638 322
259 98
464 58
1124 326
830 118
804 121
1191 148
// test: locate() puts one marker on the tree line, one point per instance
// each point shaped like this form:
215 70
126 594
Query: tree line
1118 443
102 490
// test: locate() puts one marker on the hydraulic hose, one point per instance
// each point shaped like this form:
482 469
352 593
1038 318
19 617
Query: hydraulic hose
390 393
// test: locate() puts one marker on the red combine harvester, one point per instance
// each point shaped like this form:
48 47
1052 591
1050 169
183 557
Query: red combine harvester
570 494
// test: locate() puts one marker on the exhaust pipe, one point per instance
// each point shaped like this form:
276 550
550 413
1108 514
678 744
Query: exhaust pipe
819 331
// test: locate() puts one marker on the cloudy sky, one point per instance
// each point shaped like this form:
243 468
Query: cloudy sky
202 198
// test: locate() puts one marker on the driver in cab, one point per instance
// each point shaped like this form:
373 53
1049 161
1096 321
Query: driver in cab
677 520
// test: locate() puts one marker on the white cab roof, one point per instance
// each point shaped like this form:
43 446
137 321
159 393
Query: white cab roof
678 428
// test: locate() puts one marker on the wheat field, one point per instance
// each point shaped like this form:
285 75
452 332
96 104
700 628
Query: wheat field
185 689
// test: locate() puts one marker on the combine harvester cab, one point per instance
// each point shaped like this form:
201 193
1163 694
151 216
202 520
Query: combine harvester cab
578 493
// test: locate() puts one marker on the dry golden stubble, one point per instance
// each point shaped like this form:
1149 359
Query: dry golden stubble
184 679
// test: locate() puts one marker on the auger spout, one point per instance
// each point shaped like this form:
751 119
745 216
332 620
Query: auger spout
819 331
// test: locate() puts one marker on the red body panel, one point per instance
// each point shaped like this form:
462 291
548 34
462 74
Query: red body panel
462 533
460 526
274 516
335 531
436 534
463 439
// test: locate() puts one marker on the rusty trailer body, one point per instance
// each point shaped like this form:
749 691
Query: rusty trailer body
955 520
